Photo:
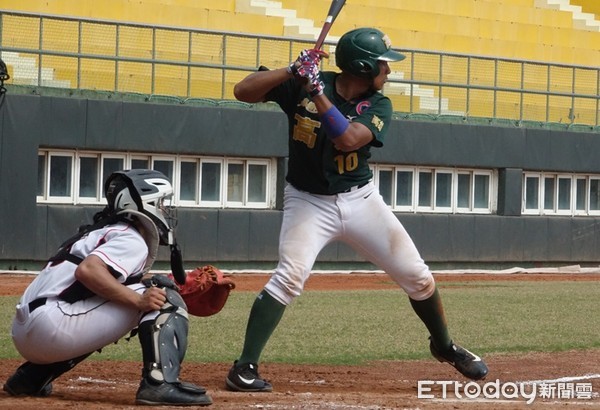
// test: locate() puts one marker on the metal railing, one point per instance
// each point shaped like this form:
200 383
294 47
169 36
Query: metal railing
187 64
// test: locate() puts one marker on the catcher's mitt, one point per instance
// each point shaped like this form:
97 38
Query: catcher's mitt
206 290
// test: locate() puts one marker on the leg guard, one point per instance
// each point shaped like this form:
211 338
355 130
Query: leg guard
164 340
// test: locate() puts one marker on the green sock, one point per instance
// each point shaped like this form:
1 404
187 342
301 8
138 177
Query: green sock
431 313
264 318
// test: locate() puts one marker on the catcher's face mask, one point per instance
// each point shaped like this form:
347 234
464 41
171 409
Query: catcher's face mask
169 214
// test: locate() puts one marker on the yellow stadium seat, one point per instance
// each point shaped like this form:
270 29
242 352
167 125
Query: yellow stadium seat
512 29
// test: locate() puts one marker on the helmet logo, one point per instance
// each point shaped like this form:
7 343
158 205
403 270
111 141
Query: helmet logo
387 41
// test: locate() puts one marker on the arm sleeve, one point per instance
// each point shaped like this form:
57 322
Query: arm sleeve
125 252
377 119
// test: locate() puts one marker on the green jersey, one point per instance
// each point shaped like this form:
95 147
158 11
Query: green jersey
315 165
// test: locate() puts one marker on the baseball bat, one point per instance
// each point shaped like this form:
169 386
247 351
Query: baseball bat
334 11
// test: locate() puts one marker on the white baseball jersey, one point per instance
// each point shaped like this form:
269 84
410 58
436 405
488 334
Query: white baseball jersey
58 330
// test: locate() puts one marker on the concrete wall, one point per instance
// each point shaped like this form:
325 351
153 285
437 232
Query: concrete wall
249 237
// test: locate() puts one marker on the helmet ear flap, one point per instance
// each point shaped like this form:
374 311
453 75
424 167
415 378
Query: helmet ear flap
364 68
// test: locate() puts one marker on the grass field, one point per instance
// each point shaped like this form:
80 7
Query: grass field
353 327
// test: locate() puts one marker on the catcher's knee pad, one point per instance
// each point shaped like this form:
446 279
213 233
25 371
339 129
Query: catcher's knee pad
164 340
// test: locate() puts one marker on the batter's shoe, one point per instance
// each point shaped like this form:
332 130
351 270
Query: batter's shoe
174 394
468 364
245 378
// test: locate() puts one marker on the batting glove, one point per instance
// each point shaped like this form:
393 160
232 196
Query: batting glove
303 64
314 86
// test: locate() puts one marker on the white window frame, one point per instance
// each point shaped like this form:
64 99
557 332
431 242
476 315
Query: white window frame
453 173
413 189
45 179
524 209
187 202
571 208
60 199
451 207
418 172
108 156
589 188
229 203
137 157
99 182
270 166
251 204
492 188
586 195
174 168
220 202
573 178
377 182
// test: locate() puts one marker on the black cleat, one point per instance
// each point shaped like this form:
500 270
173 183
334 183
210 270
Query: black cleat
21 384
468 364
174 394
245 378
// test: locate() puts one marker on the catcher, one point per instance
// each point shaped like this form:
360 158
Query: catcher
96 290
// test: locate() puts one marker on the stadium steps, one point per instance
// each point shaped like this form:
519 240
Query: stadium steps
23 70
495 31
588 6
581 20
210 15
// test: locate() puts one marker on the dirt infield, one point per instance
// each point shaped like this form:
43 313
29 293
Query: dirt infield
379 385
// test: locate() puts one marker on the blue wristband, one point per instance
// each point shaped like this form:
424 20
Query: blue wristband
334 123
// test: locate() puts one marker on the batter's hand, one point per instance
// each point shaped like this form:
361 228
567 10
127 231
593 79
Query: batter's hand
304 63
314 85
153 298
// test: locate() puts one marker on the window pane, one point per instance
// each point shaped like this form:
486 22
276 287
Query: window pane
189 181
594 194
60 176
482 191
139 164
41 178
443 190
549 192
564 193
464 191
257 183
210 187
425 186
166 167
404 187
385 186
235 182
532 192
580 194
88 177
110 165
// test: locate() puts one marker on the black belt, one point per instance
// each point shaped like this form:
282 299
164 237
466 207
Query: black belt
33 305
354 188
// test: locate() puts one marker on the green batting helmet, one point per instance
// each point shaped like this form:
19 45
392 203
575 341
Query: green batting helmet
359 50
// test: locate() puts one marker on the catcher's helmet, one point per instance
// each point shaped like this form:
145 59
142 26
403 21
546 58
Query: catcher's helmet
3 76
359 50
143 191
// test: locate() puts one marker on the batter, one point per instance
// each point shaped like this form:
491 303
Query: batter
334 120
